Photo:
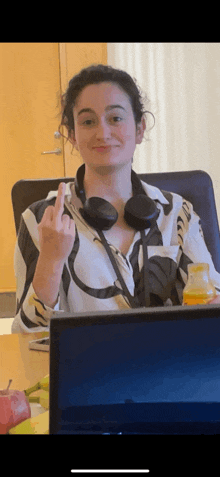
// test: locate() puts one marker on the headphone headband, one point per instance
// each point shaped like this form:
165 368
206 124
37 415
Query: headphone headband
79 188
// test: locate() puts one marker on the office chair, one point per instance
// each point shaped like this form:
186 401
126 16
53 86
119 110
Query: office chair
194 186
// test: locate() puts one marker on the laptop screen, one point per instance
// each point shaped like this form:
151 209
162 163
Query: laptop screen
122 370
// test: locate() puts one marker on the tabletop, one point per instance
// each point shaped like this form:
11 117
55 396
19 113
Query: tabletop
25 367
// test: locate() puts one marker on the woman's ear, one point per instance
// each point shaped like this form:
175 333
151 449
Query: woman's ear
73 140
140 130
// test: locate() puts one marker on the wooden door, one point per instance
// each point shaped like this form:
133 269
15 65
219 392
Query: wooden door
32 78
30 90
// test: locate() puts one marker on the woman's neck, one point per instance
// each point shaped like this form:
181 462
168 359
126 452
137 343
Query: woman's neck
112 185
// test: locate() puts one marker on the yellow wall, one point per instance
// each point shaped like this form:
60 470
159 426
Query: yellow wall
32 78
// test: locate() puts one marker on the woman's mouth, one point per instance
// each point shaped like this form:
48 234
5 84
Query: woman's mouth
103 148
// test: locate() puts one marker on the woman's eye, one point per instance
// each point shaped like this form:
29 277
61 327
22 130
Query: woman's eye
91 122
116 119
88 122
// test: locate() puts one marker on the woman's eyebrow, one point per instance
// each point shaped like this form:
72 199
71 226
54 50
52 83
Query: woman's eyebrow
113 106
108 108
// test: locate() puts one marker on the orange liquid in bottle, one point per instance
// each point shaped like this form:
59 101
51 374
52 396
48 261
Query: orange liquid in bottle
199 289
197 298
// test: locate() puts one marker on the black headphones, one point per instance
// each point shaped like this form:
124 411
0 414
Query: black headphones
140 213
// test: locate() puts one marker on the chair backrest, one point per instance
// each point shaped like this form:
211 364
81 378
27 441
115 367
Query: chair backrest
194 186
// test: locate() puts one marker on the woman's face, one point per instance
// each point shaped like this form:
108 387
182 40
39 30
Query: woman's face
105 130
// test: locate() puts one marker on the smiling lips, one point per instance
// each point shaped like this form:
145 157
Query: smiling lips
103 148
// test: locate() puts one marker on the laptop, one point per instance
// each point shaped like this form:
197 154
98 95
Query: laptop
142 371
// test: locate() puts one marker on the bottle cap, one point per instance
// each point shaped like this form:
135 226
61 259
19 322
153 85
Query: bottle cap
198 267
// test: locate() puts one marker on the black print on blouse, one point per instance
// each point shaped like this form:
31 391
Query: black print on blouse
101 293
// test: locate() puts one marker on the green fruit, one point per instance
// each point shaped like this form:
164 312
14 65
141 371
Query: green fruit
34 425
42 399
42 384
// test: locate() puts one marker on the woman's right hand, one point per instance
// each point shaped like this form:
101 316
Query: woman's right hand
56 231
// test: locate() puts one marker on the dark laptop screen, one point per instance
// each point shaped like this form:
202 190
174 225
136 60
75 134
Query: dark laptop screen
111 368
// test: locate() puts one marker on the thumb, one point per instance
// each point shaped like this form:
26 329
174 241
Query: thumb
214 300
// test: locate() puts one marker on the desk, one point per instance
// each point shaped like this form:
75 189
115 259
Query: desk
25 367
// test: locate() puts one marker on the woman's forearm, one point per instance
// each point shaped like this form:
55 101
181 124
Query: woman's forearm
46 281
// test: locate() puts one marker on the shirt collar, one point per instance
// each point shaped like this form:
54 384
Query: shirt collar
154 193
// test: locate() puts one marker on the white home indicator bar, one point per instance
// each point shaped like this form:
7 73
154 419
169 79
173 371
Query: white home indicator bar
110 471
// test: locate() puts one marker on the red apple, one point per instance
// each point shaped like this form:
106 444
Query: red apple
14 408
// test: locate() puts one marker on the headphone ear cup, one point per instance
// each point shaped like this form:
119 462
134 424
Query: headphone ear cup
99 213
141 212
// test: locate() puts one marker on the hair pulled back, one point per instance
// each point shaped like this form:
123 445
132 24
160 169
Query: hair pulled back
95 74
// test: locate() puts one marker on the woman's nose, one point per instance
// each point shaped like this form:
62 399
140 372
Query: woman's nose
103 130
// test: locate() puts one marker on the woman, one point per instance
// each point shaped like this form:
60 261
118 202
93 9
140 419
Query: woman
62 261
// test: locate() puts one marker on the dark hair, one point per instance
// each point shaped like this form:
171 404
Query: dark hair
95 74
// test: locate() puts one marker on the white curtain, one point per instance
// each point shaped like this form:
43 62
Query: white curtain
182 82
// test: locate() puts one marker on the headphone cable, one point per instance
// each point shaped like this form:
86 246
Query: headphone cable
130 298
146 270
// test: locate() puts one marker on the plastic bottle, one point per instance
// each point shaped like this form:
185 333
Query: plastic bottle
199 288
